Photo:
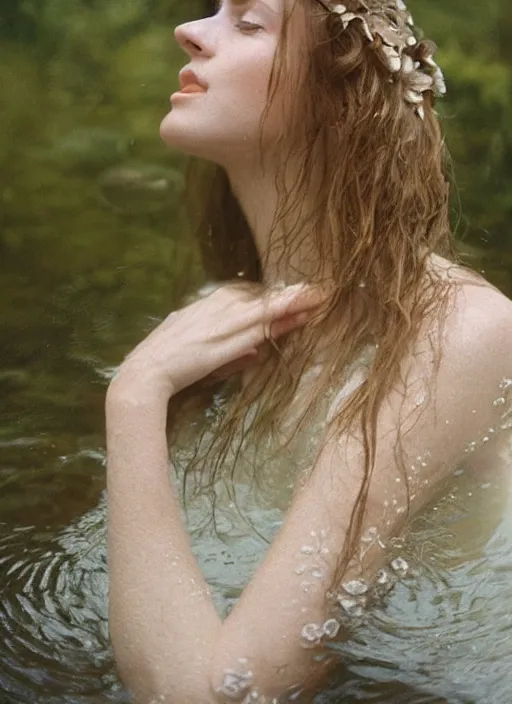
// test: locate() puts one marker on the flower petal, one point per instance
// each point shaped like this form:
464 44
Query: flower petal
393 59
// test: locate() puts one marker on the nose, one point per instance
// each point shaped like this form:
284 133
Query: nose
191 38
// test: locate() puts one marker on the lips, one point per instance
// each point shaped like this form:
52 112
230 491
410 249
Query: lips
191 83
193 88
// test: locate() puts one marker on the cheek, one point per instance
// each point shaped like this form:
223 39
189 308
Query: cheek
250 84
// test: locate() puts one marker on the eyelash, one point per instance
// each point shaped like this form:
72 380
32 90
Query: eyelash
249 27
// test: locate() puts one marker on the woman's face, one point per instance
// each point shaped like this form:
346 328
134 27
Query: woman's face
232 53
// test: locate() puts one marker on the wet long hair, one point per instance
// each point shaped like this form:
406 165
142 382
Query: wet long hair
381 209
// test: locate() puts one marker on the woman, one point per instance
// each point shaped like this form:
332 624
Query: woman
326 223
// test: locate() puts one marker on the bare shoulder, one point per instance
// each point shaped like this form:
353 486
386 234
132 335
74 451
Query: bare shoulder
480 316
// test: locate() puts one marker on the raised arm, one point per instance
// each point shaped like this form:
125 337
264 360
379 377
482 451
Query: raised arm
167 637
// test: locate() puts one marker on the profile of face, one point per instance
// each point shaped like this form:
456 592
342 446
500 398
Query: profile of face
231 54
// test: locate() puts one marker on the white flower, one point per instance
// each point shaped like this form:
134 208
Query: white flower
393 58
439 82
413 97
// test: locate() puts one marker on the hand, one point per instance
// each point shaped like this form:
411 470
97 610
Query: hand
219 333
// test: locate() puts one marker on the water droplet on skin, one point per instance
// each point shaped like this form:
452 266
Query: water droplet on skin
324 551
307 550
312 633
458 472
486 485
356 587
331 628
398 480
499 402
235 683
300 570
317 574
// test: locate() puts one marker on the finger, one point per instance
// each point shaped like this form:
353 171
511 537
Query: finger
289 323
293 300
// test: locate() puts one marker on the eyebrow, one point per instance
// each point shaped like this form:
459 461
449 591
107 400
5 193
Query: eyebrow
241 3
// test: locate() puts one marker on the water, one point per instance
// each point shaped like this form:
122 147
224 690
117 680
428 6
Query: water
93 251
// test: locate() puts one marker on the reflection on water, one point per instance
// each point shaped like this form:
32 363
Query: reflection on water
443 634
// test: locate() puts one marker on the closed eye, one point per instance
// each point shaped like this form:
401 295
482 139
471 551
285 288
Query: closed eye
247 26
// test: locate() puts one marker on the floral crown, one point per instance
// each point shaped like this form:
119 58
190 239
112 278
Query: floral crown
406 56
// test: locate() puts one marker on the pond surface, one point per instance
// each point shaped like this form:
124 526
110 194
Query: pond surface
93 251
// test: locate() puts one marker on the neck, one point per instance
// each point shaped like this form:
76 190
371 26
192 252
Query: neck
284 258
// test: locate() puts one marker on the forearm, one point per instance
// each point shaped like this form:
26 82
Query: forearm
163 623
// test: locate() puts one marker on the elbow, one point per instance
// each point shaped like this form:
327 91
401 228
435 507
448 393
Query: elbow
148 684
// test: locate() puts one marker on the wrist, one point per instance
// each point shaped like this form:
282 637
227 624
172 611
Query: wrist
137 393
